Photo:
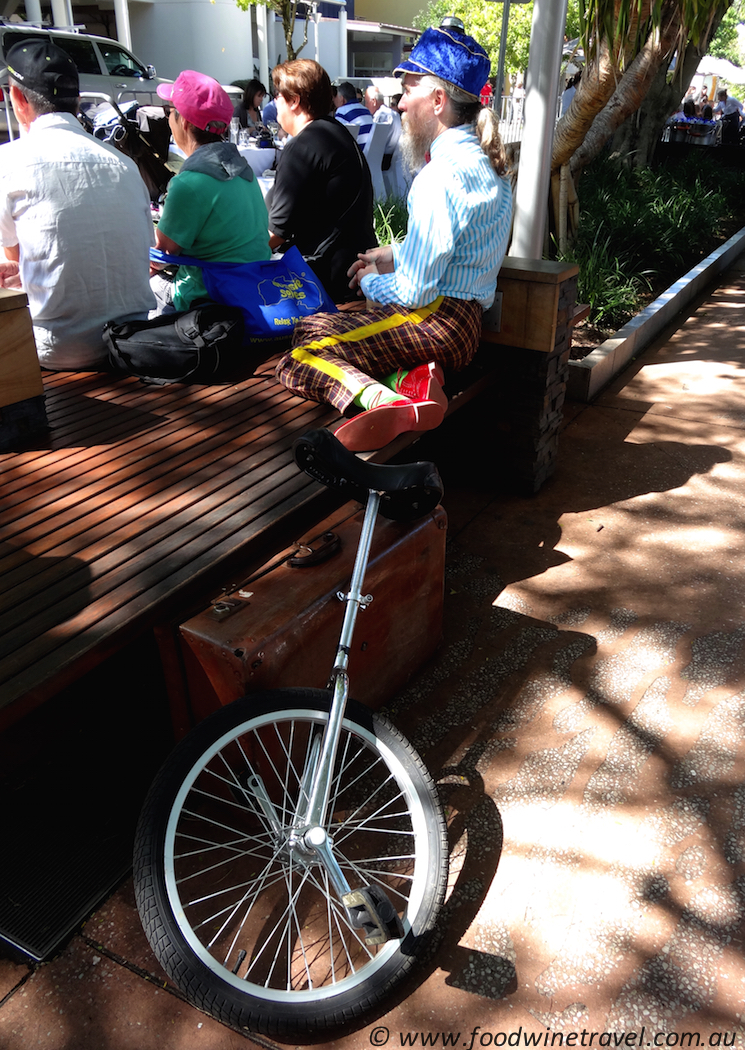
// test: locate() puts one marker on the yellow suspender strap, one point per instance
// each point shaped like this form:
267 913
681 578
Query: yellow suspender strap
304 355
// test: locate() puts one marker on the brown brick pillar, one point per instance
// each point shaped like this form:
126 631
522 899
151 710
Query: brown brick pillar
529 366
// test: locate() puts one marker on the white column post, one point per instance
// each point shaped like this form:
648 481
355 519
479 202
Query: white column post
123 30
261 20
544 63
343 55
499 84
62 12
316 15
271 36
33 11
251 44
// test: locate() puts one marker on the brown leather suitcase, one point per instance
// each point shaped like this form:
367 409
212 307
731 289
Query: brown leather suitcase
281 626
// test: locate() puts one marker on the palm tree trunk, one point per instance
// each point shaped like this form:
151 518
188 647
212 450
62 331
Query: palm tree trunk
630 90
634 143
599 81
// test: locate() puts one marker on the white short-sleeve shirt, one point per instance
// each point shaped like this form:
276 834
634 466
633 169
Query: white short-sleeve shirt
80 213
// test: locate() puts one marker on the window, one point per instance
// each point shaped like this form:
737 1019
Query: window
372 63
81 52
119 62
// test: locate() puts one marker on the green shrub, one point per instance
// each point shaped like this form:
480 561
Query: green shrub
641 229
390 217
608 283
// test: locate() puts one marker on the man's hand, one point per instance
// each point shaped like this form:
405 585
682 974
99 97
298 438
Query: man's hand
9 275
374 260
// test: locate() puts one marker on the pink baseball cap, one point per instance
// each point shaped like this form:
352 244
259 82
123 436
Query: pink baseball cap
200 100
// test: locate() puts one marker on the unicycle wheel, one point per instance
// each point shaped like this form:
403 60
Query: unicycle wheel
248 927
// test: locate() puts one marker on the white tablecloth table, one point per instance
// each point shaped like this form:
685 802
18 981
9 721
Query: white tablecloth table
259 159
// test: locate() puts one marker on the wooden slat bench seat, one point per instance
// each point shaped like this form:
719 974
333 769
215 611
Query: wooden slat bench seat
137 495
138 499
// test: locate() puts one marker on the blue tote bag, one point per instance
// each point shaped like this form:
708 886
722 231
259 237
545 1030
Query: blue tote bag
274 295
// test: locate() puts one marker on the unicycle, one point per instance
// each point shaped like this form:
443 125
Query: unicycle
291 855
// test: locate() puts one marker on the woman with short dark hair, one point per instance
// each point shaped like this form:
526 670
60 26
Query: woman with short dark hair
322 200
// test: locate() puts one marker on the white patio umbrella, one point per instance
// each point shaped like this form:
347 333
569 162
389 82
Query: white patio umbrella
387 85
709 66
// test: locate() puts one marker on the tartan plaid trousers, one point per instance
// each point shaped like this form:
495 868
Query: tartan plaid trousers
335 356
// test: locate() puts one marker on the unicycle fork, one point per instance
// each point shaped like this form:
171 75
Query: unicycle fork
368 906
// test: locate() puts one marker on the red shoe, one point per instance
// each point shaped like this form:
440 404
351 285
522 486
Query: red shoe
375 428
423 383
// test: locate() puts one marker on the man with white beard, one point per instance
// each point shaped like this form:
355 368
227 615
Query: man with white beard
426 295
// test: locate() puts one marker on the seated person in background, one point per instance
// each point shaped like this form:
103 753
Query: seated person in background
248 109
570 91
685 112
214 208
349 110
269 118
74 215
382 114
322 200
269 112
427 293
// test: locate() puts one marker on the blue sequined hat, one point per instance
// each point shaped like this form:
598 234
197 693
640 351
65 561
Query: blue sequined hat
451 55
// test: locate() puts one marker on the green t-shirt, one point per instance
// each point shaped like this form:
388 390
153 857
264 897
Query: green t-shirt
215 220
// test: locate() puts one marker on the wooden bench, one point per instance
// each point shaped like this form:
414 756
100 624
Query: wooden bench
138 501
137 493
22 412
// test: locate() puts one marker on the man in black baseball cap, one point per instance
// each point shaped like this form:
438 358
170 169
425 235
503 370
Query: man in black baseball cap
42 68
75 217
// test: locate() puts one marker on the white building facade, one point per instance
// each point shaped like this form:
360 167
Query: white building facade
218 38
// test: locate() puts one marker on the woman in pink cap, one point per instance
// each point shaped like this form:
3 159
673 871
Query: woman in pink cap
214 209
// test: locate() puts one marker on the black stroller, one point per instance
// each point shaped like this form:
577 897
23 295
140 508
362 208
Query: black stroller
140 132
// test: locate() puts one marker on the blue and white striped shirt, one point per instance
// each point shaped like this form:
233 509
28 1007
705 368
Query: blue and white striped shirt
355 113
460 213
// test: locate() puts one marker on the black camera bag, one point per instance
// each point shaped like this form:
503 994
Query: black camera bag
198 346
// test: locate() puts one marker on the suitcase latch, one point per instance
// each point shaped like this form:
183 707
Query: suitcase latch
224 607
305 556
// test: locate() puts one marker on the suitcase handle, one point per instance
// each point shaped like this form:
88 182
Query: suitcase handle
306 556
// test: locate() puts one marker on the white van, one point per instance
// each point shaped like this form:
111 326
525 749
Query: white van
104 65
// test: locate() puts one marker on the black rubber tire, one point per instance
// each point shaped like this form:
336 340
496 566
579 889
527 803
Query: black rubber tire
213 885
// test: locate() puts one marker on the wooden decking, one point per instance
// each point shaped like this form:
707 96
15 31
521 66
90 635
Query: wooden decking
138 496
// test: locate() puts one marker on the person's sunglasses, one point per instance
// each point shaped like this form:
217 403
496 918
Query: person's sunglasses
167 110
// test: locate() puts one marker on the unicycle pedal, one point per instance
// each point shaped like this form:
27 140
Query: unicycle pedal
369 909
